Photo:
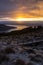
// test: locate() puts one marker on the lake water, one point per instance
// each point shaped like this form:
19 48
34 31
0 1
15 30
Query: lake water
18 27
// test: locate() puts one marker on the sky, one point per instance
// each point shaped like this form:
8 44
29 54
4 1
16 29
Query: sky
19 9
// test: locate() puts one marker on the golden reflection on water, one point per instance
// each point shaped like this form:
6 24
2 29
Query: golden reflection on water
18 27
21 27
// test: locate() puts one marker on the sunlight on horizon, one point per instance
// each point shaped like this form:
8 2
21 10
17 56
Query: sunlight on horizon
29 19
20 19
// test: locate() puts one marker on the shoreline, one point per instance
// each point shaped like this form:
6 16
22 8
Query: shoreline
15 47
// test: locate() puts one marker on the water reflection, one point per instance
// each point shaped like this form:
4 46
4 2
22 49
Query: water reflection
18 27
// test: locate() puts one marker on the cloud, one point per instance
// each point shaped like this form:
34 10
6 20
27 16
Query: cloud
12 8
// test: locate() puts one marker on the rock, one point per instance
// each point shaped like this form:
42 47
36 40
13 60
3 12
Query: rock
31 55
35 59
3 58
9 50
20 62
30 50
30 63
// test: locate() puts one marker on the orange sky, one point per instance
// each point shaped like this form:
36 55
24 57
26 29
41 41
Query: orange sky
25 12
19 9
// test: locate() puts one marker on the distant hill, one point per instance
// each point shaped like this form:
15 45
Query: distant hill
5 27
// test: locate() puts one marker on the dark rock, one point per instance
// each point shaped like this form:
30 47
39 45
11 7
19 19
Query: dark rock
35 59
9 50
30 63
3 58
30 51
20 62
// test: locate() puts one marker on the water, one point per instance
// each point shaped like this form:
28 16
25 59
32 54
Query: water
18 27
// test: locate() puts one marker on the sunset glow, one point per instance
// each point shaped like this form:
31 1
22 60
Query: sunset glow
29 19
20 19
21 10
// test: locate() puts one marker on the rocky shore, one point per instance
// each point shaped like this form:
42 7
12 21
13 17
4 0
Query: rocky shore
23 49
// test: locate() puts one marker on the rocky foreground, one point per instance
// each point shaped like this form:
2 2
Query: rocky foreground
24 49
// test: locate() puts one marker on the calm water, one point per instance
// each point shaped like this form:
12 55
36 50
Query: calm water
18 27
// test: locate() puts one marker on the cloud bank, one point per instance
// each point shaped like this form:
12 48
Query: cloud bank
25 8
